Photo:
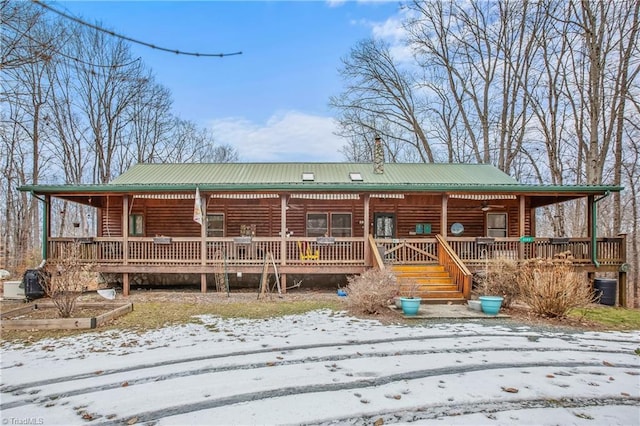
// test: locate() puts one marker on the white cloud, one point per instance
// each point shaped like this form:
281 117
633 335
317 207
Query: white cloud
286 136
392 30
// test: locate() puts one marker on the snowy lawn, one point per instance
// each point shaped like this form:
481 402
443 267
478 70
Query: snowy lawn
325 368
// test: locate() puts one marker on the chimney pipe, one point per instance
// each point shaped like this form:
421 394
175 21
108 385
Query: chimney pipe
378 157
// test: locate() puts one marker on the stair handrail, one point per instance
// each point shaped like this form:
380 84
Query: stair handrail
377 259
448 258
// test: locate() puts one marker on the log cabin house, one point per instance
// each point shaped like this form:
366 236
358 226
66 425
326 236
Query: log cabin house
437 223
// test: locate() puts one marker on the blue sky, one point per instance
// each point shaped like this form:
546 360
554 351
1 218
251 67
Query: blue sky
271 102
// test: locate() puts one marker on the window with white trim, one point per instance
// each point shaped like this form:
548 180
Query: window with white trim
497 224
215 225
329 224
317 224
340 225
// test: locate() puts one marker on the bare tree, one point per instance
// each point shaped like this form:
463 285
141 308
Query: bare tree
631 205
452 40
78 97
151 121
20 43
378 91
106 91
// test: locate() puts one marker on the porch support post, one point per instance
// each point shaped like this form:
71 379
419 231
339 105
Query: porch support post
590 207
46 226
125 284
521 225
590 210
443 216
367 248
622 273
203 246
283 240
125 242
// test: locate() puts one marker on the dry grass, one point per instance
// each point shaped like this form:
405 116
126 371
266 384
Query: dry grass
154 311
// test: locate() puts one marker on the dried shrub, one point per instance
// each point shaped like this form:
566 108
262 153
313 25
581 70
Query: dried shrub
552 287
371 292
409 288
65 280
500 279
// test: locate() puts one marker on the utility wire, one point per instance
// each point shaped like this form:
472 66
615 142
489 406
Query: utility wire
49 47
132 40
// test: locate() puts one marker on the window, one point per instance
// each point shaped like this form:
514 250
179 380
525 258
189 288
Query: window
340 225
317 225
215 225
308 177
355 176
136 225
497 224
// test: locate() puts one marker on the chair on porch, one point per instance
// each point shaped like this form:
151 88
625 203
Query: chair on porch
307 252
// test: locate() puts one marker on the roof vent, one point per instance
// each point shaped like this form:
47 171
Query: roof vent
355 176
308 177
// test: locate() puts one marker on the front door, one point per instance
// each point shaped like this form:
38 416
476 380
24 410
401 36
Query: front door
385 225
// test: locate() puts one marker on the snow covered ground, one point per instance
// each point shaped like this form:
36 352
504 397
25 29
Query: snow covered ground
325 368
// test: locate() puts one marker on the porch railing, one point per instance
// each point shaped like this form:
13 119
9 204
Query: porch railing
408 251
473 252
459 273
167 251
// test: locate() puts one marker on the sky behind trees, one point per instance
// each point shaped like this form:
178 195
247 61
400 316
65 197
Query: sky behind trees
271 102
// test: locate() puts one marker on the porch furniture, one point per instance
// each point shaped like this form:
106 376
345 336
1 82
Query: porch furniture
307 252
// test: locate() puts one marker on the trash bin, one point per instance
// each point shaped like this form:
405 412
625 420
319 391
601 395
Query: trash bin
33 283
606 290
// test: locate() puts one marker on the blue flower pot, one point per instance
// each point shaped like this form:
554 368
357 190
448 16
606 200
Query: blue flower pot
491 304
410 306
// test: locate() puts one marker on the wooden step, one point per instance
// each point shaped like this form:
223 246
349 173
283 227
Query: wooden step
434 284
431 281
417 275
430 288
423 280
417 268
405 289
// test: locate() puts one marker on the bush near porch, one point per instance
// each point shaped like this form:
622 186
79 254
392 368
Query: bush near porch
550 287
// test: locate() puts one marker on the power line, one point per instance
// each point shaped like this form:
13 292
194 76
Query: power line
132 40
49 47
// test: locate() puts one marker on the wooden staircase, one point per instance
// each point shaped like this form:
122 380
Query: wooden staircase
431 281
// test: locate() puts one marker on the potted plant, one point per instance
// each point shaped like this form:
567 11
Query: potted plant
410 302
474 305
491 304
498 286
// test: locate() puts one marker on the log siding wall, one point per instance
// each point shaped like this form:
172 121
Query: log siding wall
175 217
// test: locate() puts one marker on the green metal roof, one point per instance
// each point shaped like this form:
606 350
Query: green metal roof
324 173
326 177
